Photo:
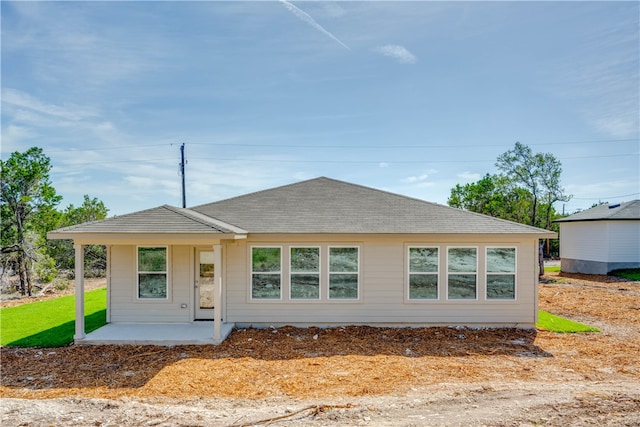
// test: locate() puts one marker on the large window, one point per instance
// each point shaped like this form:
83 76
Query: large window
462 267
266 272
305 273
501 273
423 273
343 272
152 272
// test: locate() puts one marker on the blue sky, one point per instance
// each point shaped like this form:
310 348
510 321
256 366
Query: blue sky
409 97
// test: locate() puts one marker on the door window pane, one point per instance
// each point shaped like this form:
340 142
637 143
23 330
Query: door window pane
206 279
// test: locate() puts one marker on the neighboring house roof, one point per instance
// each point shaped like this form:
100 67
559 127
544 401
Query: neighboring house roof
615 212
325 205
161 220
320 205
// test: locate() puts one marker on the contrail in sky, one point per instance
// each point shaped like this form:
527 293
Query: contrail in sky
301 14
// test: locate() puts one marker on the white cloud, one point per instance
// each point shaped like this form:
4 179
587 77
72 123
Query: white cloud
17 100
333 10
620 126
305 17
602 75
397 52
602 190
416 178
16 137
469 176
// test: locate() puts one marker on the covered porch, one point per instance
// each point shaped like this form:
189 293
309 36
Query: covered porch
170 313
158 332
164 334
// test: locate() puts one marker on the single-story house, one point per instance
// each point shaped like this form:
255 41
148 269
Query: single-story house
320 252
601 239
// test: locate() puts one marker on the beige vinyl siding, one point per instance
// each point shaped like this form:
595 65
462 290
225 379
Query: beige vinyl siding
126 307
383 285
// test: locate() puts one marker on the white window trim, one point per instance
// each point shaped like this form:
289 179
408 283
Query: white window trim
167 272
409 273
251 272
487 273
329 273
319 273
476 273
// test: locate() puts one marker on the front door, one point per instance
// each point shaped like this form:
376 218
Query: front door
205 269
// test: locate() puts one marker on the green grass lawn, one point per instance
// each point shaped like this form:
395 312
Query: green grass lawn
50 323
553 323
630 273
553 269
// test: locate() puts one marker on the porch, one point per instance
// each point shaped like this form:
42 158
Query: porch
164 334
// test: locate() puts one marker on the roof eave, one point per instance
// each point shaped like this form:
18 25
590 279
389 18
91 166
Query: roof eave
540 235
560 221
128 237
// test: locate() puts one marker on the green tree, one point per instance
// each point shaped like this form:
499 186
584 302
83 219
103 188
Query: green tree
525 191
492 195
26 194
91 209
538 173
62 251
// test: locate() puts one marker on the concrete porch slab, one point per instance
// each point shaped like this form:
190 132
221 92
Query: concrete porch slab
163 334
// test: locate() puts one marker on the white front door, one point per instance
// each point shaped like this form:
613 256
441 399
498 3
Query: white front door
205 268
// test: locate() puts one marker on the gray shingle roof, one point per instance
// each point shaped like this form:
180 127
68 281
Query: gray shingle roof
161 220
324 205
610 212
320 205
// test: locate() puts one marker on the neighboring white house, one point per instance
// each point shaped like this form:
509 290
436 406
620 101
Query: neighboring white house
320 252
601 239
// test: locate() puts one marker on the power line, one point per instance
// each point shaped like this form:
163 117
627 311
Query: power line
369 146
340 161
119 147
604 198
351 146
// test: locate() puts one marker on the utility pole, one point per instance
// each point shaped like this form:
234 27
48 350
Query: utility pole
184 196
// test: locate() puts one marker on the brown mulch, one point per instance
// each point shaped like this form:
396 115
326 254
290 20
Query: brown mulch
349 361
593 297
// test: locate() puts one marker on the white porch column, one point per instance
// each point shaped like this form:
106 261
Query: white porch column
79 266
217 293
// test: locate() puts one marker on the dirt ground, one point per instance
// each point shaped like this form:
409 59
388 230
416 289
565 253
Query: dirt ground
46 292
353 375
